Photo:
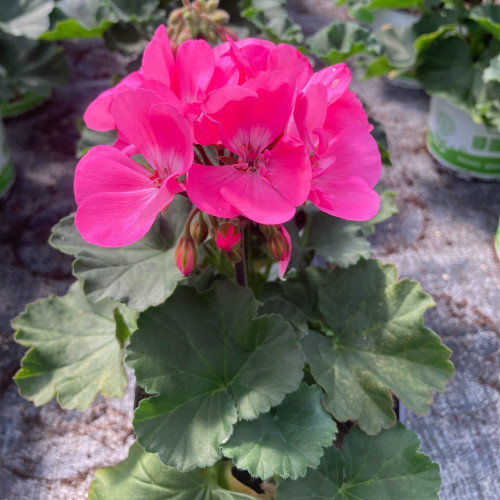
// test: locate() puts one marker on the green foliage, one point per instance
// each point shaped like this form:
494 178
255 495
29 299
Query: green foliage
448 43
367 340
139 275
340 40
143 475
271 17
76 349
28 68
211 362
336 240
28 18
285 441
367 468
90 19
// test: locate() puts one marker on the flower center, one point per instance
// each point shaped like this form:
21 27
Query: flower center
156 179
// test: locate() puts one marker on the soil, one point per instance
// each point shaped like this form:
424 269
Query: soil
442 236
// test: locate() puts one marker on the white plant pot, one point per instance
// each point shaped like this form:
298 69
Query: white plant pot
457 142
396 17
7 172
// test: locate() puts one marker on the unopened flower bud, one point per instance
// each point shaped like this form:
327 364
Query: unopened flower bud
175 16
228 236
278 246
212 5
184 36
186 254
268 230
199 229
219 16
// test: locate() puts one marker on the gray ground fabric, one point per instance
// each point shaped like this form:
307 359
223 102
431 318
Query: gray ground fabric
442 236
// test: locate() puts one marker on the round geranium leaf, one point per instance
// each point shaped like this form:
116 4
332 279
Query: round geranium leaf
285 441
141 274
75 351
370 467
210 361
144 475
375 344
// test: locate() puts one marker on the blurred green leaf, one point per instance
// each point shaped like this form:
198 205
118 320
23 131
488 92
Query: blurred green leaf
29 18
341 40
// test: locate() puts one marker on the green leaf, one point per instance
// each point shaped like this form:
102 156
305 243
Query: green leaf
285 441
90 138
341 40
488 16
387 466
29 18
380 136
90 19
144 476
29 66
448 60
376 345
289 312
139 275
271 17
211 362
492 72
336 240
397 43
74 351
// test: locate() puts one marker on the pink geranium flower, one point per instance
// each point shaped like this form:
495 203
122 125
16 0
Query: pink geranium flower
98 113
271 174
344 157
118 199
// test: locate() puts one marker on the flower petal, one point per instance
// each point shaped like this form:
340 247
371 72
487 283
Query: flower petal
173 145
117 219
98 113
131 113
347 111
352 152
289 170
351 199
106 169
335 78
233 109
158 60
203 186
255 198
195 65
276 91
310 112
288 58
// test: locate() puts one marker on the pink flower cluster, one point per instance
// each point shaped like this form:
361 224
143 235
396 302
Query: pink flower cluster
278 134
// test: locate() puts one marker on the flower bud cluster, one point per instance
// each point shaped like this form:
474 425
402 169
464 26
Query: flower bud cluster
197 19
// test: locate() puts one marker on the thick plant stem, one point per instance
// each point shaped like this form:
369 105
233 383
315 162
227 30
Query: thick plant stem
241 266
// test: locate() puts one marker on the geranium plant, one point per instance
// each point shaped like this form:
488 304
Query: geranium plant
220 244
